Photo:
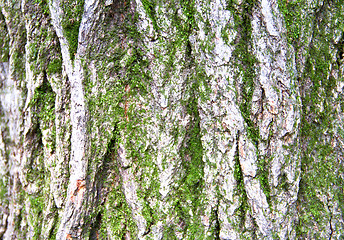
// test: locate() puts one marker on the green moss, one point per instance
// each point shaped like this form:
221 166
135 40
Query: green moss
36 212
55 66
292 11
188 193
117 215
4 40
33 52
170 233
3 191
194 148
16 51
43 5
37 202
43 51
283 182
191 182
240 191
19 61
43 103
73 11
319 165
112 107
21 213
149 7
35 171
245 62
136 76
118 106
263 175
215 224
189 10
56 225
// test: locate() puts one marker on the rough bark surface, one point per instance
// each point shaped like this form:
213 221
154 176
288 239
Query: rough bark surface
180 119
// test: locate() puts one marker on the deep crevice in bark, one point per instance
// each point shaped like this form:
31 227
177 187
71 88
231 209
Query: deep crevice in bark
245 63
101 187
240 188
191 183
94 235
217 227
53 230
340 50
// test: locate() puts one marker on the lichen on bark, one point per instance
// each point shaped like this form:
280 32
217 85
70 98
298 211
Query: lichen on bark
180 119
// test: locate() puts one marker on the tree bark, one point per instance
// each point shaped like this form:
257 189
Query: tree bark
187 119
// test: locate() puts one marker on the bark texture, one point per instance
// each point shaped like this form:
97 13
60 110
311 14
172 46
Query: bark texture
179 119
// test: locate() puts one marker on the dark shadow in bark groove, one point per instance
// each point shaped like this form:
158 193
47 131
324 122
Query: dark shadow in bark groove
215 222
340 50
240 188
94 235
53 230
101 186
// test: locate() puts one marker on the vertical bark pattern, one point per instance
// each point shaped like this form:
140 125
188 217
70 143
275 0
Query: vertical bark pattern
180 119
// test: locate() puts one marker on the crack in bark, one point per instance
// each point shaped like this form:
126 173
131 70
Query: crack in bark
240 187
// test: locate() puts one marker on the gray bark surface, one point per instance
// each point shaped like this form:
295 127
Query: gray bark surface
180 119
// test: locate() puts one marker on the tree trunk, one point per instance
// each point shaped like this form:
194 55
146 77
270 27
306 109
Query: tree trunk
187 119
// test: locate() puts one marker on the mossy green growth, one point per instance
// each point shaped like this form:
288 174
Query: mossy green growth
117 218
263 174
136 77
55 66
21 213
149 6
44 99
37 202
240 191
170 233
292 11
245 61
43 5
36 212
3 190
189 10
56 225
18 56
188 194
320 168
73 11
113 107
143 166
191 183
215 223
43 49
15 50
43 103
4 40
194 149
